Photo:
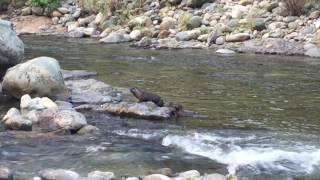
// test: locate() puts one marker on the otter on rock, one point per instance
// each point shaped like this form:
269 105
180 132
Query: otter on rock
144 96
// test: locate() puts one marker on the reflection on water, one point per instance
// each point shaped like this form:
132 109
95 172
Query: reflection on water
246 97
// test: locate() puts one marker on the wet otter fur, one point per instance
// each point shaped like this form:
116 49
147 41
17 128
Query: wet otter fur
144 96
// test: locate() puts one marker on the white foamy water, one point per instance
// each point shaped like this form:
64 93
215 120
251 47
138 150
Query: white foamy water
143 134
248 152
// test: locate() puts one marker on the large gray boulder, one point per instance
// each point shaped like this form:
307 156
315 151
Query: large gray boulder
38 77
11 47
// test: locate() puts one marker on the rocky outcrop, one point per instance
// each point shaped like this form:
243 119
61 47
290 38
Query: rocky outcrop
144 110
91 91
11 47
44 115
272 46
38 77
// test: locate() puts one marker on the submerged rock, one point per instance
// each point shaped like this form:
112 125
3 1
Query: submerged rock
77 74
156 177
88 129
38 77
58 174
144 110
91 91
5 173
99 175
11 47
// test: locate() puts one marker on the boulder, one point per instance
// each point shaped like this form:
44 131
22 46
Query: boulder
214 177
144 110
91 91
238 37
258 24
115 37
54 120
192 174
136 35
168 23
225 51
58 174
5 173
11 47
194 22
156 177
188 35
99 175
88 129
38 77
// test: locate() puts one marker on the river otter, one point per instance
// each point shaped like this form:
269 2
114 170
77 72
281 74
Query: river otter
144 96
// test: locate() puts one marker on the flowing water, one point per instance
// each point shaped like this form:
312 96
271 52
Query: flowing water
263 114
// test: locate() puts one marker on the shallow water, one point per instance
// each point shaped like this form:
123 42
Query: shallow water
263 114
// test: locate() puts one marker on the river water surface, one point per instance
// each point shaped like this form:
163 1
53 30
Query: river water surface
263 114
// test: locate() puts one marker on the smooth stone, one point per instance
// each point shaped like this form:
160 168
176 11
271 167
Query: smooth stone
6 173
136 35
214 177
237 37
225 51
38 11
140 21
258 24
58 174
88 129
164 171
156 177
13 120
114 37
63 10
99 175
168 23
194 22
313 52
190 174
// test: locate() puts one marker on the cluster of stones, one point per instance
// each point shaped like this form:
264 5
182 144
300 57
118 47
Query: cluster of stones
205 22
159 174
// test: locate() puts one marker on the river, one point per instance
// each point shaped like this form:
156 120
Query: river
263 114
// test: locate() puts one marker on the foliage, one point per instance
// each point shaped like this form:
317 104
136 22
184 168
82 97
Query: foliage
295 7
183 21
47 4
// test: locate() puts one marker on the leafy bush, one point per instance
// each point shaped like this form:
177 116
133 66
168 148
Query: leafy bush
295 7
46 4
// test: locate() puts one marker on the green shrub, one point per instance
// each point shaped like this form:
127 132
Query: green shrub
46 4
295 7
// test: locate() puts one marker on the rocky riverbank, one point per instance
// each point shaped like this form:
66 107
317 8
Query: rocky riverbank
245 26
158 174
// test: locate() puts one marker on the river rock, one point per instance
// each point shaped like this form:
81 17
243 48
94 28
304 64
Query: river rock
225 51
76 33
156 177
314 14
238 11
192 174
168 23
13 120
53 120
144 110
26 11
38 11
5 173
164 171
258 24
220 40
11 47
272 46
63 10
88 129
313 52
38 77
214 177
237 37
99 175
91 91
28 104
115 37
188 35
136 35
194 22
140 21
58 174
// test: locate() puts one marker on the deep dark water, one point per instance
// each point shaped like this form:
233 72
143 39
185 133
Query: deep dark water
263 114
